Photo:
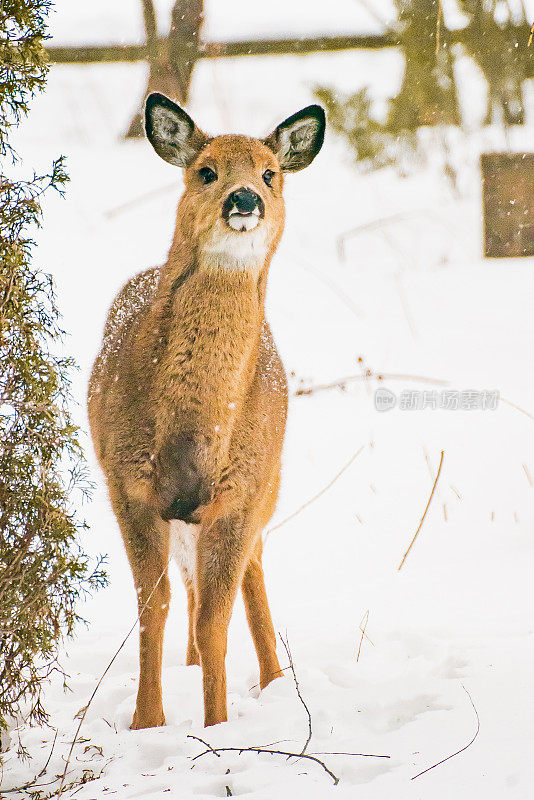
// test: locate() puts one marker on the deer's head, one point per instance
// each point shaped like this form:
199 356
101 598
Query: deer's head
232 210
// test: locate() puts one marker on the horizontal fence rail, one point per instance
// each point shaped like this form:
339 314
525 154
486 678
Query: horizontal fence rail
252 47
256 47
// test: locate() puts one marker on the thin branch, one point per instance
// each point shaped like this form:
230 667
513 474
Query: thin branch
376 16
326 281
361 755
379 376
424 515
319 494
443 760
86 708
285 642
383 222
438 25
36 778
517 408
404 304
218 750
206 744
368 226
255 686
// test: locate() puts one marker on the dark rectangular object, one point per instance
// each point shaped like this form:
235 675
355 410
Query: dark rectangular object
508 198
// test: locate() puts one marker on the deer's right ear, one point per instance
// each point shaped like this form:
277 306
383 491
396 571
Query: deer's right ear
171 132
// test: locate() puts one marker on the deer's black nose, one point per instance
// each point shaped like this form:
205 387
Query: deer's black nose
245 200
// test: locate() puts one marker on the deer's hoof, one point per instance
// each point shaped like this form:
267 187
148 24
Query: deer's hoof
152 720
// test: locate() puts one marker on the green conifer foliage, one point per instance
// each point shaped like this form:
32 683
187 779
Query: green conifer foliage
43 571
428 96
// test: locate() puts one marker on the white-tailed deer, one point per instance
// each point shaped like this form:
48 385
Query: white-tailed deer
187 400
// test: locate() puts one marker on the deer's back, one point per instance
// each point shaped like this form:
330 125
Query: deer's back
107 398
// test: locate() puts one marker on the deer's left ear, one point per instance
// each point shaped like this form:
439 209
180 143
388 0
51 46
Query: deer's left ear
297 140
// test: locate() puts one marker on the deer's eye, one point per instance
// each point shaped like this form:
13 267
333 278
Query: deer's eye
268 176
207 175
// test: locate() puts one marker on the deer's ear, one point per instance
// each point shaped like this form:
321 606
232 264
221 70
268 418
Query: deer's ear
171 132
297 140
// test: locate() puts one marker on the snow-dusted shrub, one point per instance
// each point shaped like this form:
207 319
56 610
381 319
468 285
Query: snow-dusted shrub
42 569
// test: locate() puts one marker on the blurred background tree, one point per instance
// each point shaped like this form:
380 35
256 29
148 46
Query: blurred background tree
43 571
172 60
428 97
493 33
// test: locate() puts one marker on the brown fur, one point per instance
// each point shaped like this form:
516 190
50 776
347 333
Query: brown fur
188 355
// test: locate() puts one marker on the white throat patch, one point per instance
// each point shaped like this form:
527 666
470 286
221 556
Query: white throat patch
236 248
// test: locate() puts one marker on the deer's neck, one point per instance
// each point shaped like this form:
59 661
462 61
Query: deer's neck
214 319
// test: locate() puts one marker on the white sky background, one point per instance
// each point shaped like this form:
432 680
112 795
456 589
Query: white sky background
101 21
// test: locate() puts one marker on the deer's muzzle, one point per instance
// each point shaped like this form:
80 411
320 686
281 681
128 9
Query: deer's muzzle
243 209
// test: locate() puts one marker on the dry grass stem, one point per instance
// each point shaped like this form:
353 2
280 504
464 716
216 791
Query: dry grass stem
363 628
425 512
319 494
517 408
368 375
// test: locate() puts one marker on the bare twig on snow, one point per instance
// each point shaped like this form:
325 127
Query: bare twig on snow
285 642
218 750
457 753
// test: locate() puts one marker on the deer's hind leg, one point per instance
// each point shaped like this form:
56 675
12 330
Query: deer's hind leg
259 618
193 656
146 539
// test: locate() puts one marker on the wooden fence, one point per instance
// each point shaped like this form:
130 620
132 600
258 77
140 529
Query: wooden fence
253 47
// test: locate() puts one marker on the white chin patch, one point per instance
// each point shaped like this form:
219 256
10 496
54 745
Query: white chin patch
244 222
223 249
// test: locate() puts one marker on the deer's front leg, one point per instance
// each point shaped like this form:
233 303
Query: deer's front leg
221 556
147 544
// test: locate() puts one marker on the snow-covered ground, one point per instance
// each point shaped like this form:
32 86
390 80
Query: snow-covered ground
411 297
